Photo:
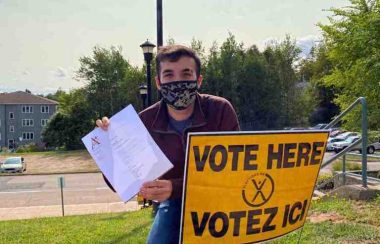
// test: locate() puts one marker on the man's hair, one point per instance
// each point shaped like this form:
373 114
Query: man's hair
173 53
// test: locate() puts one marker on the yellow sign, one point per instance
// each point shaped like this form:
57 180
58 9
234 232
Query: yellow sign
248 187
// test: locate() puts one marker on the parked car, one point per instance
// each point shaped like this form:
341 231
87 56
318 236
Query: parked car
330 142
340 145
371 148
318 127
346 135
13 165
334 132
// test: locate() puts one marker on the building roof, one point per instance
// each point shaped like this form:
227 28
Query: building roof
21 97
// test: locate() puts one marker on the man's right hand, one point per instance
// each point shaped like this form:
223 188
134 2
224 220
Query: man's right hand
103 123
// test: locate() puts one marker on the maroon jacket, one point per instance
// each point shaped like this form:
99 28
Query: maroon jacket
211 113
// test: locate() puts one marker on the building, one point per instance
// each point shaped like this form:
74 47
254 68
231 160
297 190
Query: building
23 117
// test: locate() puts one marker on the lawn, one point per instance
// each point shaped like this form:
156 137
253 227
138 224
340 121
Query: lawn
329 221
56 162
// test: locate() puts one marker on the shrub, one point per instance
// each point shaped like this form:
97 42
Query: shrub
350 166
31 147
326 180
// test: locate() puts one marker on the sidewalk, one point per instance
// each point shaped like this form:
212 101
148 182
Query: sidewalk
56 210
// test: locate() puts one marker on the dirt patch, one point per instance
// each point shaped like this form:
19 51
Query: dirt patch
66 162
321 217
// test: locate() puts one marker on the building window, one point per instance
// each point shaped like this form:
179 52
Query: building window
27 109
11 128
45 109
27 135
11 115
27 122
44 122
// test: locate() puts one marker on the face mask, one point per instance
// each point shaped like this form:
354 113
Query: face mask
179 94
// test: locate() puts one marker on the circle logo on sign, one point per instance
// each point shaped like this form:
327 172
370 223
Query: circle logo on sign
258 189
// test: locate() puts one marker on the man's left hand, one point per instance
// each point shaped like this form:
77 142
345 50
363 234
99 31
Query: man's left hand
159 190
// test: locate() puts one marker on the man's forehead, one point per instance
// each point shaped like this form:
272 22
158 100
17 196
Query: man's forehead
183 63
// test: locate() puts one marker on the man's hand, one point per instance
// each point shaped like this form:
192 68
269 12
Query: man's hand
103 124
159 190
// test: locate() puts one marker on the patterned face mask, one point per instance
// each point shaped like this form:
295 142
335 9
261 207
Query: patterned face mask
179 94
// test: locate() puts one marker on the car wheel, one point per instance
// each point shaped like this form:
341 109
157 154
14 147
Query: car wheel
371 150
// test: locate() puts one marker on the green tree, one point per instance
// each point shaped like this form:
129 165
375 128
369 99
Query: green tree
313 70
263 86
353 41
73 120
111 82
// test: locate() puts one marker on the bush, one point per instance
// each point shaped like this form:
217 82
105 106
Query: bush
373 136
325 181
324 178
31 147
338 166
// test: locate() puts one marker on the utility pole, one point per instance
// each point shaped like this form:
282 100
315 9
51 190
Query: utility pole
159 23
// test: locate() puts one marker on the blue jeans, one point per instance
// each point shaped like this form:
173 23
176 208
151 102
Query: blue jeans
166 225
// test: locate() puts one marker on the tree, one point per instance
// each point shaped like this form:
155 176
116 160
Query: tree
111 82
312 70
262 86
353 39
73 120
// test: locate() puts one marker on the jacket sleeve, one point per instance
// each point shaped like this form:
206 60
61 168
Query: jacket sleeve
177 185
229 120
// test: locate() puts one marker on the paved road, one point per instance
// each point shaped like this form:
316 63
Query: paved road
43 190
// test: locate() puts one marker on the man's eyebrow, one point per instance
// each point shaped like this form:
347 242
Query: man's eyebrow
167 71
188 70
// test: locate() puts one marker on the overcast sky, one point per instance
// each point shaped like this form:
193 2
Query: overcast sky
41 41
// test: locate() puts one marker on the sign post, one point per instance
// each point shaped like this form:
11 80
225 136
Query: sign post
246 187
61 184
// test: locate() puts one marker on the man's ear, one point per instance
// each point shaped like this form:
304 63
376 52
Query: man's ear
158 83
199 81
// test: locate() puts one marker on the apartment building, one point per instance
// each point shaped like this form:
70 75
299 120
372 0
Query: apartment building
23 117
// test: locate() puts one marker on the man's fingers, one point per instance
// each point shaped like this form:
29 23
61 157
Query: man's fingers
157 190
156 183
99 123
105 121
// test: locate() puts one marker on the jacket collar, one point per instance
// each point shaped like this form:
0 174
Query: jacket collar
161 120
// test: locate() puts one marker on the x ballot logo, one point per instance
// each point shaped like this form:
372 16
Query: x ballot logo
94 142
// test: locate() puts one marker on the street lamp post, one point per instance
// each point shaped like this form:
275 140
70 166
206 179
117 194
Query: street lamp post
147 48
143 93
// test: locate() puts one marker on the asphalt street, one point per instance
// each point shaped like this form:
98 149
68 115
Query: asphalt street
43 190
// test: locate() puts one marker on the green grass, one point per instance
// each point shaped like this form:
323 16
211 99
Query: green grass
361 224
130 227
350 166
358 158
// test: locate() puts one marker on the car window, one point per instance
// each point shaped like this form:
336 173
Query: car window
352 139
12 161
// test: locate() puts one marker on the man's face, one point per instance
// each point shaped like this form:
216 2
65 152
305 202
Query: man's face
183 69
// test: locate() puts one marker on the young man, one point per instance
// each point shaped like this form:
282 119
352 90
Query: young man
181 110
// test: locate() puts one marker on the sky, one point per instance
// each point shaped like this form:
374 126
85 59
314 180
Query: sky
41 41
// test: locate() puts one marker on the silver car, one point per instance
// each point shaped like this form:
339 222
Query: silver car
13 165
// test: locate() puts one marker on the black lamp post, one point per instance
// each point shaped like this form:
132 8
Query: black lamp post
143 93
147 48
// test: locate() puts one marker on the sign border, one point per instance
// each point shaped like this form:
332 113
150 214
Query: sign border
224 133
